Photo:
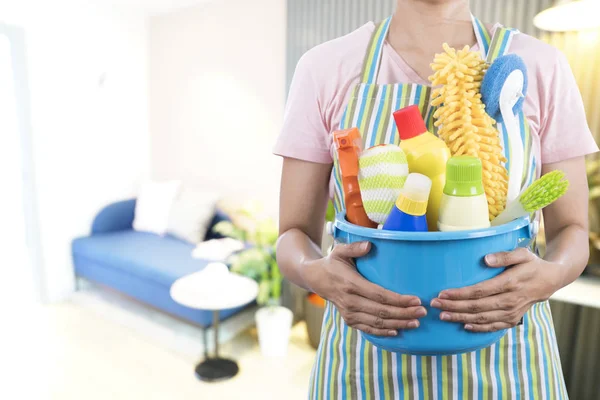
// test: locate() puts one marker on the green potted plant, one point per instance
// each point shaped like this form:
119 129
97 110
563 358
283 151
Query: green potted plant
259 262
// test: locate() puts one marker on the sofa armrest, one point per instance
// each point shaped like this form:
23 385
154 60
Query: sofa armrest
114 217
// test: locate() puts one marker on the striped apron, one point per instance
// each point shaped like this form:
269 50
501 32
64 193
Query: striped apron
524 364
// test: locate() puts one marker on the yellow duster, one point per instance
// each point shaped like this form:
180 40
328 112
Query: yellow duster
462 121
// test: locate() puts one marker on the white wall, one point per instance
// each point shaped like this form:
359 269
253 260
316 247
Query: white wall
90 140
217 93
217 101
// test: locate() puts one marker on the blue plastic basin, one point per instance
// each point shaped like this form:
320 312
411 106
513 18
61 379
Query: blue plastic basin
425 263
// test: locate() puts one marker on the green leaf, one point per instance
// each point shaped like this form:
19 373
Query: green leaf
275 272
276 288
252 209
253 263
266 233
264 290
276 280
330 214
259 262
228 229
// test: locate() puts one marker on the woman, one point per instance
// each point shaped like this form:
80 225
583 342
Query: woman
336 86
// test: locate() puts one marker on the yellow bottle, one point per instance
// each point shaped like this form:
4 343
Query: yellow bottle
426 154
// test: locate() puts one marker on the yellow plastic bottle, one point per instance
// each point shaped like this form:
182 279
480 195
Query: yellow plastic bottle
426 154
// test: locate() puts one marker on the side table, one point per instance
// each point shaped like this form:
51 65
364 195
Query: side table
214 288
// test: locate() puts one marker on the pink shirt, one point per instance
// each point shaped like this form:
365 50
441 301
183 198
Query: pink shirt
325 76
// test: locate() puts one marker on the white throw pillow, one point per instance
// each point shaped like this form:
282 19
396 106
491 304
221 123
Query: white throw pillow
153 206
192 212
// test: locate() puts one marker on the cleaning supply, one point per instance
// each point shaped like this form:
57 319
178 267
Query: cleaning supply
348 150
426 154
463 123
464 204
503 90
408 214
382 172
539 195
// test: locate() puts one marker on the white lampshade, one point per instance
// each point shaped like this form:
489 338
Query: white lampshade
569 16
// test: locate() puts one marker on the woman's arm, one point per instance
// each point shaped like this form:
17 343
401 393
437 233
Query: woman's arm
363 305
566 223
501 302
302 207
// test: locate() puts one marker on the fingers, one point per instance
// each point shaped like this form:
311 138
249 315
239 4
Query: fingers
352 250
482 314
369 330
383 311
359 312
508 258
478 319
494 303
493 327
357 285
355 319
379 295
503 283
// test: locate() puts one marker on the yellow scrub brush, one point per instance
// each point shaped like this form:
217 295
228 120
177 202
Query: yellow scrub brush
463 123
540 194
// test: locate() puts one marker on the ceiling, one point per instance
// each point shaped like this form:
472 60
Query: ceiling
153 7
148 7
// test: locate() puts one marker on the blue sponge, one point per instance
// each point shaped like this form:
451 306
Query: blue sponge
494 79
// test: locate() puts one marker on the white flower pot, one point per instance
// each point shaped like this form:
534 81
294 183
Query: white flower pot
274 325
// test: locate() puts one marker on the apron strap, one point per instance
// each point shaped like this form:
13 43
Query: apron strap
374 53
483 36
489 47
500 43
492 48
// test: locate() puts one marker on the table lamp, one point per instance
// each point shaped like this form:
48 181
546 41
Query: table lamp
569 15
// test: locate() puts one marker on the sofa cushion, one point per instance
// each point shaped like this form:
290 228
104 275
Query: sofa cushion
192 213
146 255
153 206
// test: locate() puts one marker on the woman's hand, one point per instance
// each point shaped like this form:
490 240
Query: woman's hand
501 302
363 305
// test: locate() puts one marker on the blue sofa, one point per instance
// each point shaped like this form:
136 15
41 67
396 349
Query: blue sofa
138 264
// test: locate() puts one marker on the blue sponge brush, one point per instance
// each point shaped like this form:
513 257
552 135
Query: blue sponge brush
503 91
494 84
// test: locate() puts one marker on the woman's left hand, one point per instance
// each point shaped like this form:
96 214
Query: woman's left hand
501 302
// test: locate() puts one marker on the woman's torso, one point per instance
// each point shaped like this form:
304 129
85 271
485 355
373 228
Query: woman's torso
523 365
337 68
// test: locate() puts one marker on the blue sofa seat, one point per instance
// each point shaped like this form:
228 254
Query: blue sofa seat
139 264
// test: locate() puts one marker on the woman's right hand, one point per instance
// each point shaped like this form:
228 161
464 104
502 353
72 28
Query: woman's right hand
363 305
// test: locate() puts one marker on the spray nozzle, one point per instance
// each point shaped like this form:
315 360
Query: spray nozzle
348 138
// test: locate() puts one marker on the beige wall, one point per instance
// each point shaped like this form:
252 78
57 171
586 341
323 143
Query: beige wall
583 51
217 93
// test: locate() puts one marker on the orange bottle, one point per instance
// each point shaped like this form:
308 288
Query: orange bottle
346 143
